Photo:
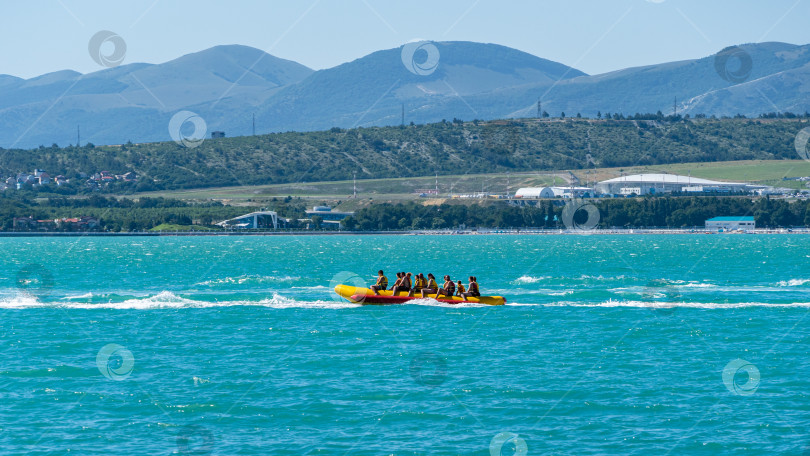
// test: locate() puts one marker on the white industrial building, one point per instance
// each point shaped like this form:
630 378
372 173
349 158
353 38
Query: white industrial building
645 184
252 221
329 216
745 223
553 192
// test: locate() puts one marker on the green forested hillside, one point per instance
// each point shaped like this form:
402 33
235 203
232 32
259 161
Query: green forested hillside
444 148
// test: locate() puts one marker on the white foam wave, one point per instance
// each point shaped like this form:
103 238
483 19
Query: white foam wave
699 285
793 282
560 293
529 279
19 301
601 277
522 280
82 296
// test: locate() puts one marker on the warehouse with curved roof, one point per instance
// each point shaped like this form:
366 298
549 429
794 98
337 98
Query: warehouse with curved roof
645 184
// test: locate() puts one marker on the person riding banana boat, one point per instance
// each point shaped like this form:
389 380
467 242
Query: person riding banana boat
382 283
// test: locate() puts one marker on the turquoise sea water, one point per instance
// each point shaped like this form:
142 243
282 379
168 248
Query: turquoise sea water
609 345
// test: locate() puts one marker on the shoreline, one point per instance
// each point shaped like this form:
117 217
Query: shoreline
628 231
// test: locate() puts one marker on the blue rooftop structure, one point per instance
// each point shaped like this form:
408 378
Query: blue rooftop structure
745 218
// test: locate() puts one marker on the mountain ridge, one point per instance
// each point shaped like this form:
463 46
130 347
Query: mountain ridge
228 84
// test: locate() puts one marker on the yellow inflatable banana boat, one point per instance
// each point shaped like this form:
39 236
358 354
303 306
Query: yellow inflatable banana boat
366 296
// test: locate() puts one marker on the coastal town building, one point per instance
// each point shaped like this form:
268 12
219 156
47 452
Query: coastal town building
328 216
650 184
554 192
253 221
733 223
64 224
41 177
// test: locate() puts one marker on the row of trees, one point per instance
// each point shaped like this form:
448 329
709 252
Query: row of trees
126 214
674 212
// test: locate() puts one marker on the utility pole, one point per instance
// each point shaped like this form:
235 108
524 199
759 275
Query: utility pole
437 184
539 109
354 181
78 136
507 184
403 114
675 107
254 124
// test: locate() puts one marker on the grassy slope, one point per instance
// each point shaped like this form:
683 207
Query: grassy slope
769 172
413 151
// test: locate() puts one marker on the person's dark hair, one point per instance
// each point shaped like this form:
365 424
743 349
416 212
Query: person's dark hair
380 272
431 276
472 278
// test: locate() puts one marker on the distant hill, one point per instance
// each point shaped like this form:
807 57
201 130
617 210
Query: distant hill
136 101
371 90
227 85
449 148
771 82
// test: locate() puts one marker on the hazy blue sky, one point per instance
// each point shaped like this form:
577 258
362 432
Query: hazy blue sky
594 36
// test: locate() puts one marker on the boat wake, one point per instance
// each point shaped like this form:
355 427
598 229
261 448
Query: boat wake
170 300
165 300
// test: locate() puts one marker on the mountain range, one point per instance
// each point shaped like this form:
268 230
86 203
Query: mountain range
228 86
